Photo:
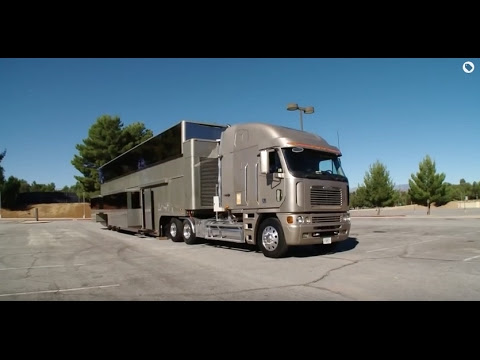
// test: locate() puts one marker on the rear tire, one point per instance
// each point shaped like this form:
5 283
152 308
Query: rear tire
271 239
174 230
189 236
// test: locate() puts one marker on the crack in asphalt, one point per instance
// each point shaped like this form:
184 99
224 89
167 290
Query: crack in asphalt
307 284
31 266
352 262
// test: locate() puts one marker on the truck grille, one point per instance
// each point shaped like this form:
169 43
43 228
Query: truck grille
320 195
325 219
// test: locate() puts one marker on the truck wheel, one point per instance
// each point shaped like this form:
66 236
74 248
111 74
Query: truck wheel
271 239
189 236
174 230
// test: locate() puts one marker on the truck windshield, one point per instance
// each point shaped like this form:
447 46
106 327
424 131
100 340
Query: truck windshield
313 164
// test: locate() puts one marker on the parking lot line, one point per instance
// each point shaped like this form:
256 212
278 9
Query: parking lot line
400 246
471 258
42 267
60 290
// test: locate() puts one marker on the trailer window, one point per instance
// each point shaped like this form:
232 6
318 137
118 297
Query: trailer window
201 131
163 147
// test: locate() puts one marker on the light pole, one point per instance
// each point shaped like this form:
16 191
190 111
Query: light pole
0 204
306 110
84 204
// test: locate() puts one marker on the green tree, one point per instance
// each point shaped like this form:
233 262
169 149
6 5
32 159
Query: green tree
107 138
78 190
34 187
2 176
401 198
427 186
451 192
42 187
357 198
134 134
10 191
475 190
24 186
379 188
467 190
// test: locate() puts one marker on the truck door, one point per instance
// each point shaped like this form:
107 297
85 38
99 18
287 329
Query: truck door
271 186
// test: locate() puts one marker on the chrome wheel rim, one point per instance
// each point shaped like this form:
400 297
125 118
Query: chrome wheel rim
187 231
270 238
173 229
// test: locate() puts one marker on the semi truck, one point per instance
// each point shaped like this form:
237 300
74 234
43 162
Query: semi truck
262 184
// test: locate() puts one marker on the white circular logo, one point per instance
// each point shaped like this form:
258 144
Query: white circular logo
468 67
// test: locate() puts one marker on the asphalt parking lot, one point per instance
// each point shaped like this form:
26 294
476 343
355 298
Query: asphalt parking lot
402 257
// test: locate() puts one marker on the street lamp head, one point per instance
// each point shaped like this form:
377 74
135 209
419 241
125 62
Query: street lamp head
292 107
308 110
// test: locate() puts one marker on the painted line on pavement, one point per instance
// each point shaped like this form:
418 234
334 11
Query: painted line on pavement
471 258
400 246
37 267
60 290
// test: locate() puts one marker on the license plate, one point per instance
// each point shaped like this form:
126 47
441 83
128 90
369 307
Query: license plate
327 240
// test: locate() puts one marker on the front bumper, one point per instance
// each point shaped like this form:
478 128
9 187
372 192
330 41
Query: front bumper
317 232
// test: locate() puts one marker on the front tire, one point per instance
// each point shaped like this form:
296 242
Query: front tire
271 239
189 236
174 232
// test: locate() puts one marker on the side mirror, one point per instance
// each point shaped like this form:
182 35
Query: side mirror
264 162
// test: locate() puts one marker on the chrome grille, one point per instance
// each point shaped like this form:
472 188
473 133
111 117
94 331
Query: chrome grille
320 195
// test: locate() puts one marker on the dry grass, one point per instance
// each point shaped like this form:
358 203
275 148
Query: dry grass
58 210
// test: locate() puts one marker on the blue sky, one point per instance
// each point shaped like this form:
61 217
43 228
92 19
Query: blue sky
394 110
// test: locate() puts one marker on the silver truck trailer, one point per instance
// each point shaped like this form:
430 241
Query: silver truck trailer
255 183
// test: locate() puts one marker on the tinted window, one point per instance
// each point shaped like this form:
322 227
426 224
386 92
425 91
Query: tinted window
200 131
158 149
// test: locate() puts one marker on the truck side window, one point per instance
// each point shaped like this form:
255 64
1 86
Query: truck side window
274 161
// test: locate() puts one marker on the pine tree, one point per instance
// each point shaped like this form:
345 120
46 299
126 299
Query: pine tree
426 186
379 188
107 138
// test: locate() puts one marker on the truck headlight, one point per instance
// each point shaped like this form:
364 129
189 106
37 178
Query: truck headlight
346 217
300 219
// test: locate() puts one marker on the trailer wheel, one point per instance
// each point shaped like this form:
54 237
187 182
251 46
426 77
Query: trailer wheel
271 239
189 236
174 230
